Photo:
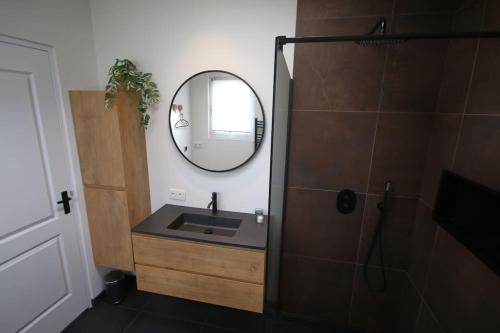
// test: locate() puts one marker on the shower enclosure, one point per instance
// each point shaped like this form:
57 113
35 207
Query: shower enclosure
394 93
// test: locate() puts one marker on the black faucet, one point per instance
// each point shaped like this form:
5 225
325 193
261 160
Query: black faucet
213 203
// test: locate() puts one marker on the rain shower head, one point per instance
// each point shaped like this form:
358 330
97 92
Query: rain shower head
378 42
379 31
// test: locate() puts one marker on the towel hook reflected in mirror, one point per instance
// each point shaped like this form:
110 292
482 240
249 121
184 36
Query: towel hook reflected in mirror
181 122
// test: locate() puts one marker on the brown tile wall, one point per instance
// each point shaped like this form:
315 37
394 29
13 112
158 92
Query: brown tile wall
363 115
458 292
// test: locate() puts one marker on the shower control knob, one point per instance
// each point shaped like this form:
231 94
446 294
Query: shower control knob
346 201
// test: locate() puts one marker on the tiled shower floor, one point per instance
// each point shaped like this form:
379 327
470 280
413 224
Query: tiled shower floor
150 313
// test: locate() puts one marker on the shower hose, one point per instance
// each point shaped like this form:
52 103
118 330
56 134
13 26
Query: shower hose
377 241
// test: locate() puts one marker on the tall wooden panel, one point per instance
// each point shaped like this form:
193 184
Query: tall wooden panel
99 143
135 157
112 151
108 215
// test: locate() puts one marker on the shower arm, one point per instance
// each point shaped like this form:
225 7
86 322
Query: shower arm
379 25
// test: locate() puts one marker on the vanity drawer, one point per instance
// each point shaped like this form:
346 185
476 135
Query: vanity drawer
195 257
203 288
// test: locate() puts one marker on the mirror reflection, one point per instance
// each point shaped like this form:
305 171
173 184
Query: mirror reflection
216 121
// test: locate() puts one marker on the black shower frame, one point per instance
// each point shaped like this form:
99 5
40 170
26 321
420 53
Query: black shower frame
281 41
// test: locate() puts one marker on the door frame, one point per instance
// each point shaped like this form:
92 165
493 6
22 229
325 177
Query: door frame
71 155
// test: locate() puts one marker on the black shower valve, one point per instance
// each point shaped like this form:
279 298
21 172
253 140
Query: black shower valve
346 201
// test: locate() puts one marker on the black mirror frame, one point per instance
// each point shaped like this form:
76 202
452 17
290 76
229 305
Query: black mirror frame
261 107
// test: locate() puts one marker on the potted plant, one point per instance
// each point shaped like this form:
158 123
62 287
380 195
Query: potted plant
124 75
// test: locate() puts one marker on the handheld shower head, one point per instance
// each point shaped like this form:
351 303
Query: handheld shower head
388 185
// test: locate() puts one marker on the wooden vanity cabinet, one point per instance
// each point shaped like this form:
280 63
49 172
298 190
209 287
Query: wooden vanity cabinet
212 273
112 152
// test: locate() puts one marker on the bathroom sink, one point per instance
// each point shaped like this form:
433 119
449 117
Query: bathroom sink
204 224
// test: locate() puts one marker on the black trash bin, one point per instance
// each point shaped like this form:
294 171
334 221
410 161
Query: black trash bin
114 284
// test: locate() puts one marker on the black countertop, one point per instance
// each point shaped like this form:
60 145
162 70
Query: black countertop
250 234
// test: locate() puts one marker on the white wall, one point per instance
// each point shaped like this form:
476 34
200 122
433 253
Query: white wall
176 39
66 26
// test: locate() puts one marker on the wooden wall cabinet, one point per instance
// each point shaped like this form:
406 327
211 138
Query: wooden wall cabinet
113 161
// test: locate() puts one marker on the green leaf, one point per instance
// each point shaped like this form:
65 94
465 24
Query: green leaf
124 73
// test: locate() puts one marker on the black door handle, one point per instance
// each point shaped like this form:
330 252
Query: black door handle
65 201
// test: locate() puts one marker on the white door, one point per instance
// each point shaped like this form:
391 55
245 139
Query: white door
42 285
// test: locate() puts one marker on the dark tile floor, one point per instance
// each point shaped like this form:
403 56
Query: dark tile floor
147 312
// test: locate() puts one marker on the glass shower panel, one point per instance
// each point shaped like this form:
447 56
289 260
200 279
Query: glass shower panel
279 156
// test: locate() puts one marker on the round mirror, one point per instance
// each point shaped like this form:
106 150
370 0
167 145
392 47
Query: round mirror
217 121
